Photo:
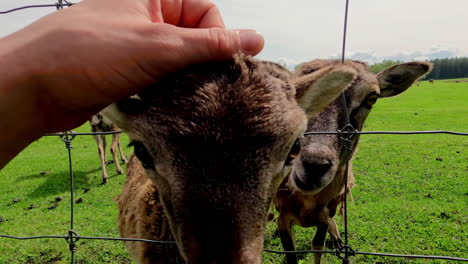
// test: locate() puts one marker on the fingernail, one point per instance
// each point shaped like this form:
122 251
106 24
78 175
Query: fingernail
251 41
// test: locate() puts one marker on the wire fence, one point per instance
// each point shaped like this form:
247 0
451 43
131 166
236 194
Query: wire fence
59 5
344 253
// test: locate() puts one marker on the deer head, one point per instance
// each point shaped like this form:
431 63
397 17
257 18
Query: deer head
321 157
214 139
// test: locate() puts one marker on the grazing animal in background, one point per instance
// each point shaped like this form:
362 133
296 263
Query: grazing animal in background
312 192
99 123
431 81
213 140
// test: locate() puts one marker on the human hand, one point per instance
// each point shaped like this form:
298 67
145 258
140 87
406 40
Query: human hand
76 61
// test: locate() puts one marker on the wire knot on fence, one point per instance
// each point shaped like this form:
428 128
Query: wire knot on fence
72 237
346 135
67 138
347 251
59 5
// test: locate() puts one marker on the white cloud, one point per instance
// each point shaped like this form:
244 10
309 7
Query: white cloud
422 58
371 56
302 30
288 63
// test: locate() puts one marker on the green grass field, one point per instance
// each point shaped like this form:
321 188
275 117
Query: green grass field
411 195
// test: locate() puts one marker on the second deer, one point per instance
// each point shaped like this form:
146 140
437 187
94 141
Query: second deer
314 189
99 123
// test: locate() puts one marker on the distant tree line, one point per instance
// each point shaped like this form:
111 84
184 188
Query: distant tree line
451 68
448 68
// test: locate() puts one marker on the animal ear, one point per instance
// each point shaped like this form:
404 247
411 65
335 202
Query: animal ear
95 119
119 112
315 91
399 78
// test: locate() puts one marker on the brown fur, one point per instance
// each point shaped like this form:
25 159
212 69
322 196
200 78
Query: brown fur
99 123
213 140
141 215
315 187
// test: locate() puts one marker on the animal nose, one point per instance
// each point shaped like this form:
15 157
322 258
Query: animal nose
316 168
313 174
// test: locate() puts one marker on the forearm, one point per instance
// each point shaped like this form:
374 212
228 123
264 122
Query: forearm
19 120
58 71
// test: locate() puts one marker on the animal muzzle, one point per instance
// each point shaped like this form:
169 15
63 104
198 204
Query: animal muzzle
209 232
314 170
222 245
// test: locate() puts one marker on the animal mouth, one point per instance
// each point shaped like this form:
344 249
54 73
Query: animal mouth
309 188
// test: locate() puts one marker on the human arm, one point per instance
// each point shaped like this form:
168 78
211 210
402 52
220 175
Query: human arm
61 69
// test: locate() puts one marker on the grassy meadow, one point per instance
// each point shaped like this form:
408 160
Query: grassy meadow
411 195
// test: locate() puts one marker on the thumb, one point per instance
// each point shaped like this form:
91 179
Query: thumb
213 44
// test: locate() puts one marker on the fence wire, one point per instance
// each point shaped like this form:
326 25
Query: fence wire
72 237
343 253
59 5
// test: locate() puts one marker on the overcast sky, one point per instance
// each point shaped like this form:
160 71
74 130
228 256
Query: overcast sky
299 30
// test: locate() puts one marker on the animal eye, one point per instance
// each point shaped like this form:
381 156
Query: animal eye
294 152
371 99
143 155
